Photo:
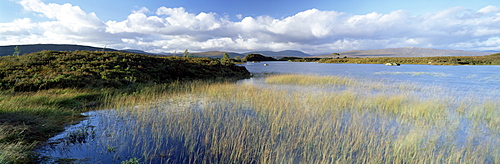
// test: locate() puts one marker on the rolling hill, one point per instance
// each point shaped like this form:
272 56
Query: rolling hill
405 52
293 53
390 52
217 54
26 49
279 54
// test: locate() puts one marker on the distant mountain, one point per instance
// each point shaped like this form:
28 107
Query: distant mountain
29 48
139 52
491 51
279 54
289 53
217 54
9 50
405 52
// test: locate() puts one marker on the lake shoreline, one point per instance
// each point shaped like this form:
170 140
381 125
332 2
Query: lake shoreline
493 59
42 92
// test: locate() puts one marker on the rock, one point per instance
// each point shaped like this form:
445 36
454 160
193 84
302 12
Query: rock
392 64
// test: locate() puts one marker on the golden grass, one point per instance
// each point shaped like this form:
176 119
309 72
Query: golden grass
309 80
229 123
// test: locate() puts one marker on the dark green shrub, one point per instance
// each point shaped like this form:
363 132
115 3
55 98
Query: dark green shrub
257 57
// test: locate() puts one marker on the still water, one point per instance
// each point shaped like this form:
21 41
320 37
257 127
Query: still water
87 141
482 81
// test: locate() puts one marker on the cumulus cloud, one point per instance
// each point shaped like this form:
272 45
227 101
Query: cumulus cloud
65 24
314 31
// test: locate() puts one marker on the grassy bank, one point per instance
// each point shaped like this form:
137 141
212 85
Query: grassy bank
31 117
329 120
28 118
493 59
42 92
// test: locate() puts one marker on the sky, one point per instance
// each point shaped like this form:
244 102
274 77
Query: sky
311 26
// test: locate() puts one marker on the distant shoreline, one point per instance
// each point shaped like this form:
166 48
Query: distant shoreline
493 59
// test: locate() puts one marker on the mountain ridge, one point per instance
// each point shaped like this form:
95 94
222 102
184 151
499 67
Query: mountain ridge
404 52
30 48
389 52
275 54
284 53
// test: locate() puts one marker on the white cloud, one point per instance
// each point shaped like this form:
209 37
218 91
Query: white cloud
16 27
313 31
67 14
239 16
66 24
489 9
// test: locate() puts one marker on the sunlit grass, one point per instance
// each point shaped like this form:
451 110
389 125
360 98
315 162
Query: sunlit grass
309 80
11 148
229 123
29 117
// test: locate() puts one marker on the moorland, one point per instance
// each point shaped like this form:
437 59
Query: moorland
42 92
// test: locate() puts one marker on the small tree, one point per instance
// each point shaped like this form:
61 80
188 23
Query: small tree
186 53
17 52
226 57
336 54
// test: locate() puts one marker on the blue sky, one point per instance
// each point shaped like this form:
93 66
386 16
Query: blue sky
313 26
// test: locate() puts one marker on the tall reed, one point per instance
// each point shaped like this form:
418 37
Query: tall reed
230 123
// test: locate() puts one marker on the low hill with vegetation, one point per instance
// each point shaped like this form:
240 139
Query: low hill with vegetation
493 59
84 69
257 57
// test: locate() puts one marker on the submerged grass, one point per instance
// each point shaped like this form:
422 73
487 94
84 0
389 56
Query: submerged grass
28 118
229 123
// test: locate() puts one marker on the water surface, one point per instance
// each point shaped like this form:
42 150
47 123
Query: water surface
482 81
99 138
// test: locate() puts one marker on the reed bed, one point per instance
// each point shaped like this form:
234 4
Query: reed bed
230 123
12 150
309 80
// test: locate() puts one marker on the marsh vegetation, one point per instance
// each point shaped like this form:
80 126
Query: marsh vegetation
326 119
42 92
